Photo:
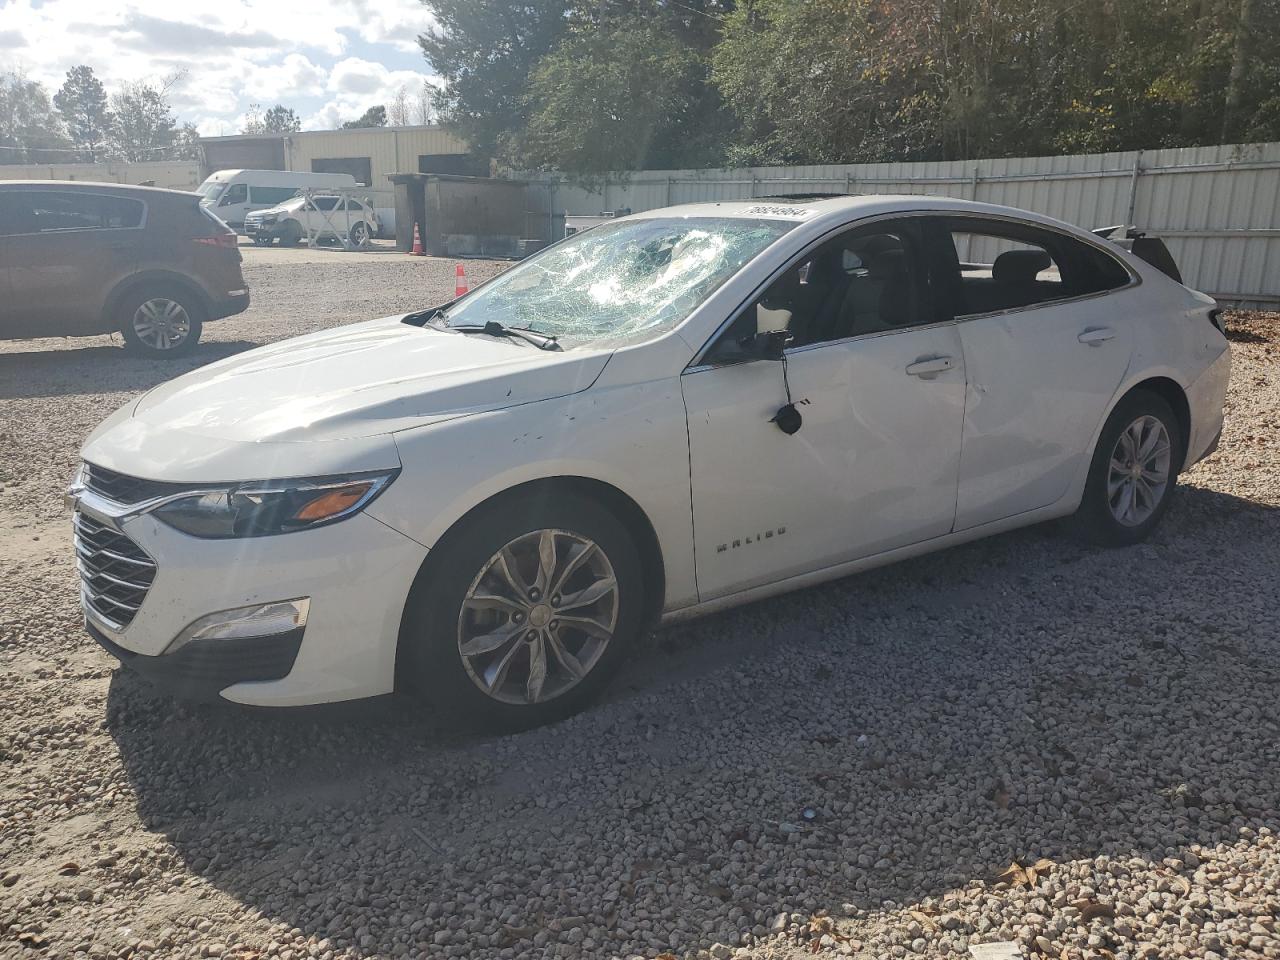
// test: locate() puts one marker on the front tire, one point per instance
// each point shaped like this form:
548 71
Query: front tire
160 321
1133 474
524 612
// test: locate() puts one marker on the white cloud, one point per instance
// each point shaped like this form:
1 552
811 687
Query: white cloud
327 59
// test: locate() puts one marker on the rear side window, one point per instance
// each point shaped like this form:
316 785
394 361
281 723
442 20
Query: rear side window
48 211
271 195
1009 266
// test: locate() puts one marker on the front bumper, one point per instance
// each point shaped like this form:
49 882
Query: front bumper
357 573
202 669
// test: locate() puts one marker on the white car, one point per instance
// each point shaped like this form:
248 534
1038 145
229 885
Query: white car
673 412
319 217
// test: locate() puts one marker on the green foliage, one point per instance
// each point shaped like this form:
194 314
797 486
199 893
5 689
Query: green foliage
626 83
373 117
279 119
82 101
143 126
30 131
486 51
623 95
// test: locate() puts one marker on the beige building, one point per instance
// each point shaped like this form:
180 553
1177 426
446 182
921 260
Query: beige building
369 154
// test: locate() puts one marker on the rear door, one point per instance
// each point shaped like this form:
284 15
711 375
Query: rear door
70 249
1046 345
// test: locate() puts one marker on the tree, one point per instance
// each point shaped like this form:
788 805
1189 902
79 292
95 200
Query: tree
143 127
631 93
82 101
399 111
281 119
30 130
424 104
373 117
253 122
485 52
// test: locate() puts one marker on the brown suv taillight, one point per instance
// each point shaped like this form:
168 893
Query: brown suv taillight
224 240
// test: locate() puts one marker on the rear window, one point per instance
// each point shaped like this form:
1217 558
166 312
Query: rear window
50 211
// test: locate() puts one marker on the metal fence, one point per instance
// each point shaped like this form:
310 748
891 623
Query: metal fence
1218 207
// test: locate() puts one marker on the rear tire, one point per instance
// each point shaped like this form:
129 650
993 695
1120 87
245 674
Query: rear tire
1133 474
164 320
503 652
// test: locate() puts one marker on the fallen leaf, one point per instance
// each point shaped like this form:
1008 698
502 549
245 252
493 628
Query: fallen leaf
69 868
1184 883
1091 911
925 920
1014 875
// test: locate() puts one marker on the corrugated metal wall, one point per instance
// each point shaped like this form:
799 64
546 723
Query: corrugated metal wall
176 175
1218 207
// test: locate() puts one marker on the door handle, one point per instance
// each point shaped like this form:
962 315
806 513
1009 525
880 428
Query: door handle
930 367
1094 336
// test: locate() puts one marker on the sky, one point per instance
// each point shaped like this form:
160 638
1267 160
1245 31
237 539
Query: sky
327 59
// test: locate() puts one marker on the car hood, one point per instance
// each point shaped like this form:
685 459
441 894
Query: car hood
362 380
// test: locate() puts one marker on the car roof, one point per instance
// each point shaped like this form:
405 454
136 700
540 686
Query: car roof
824 208
90 186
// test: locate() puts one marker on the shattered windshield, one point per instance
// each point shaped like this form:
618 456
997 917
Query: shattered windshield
620 281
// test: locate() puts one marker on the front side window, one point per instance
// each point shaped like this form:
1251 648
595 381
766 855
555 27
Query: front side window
236 193
210 189
41 211
324 203
621 281
1002 266
867 280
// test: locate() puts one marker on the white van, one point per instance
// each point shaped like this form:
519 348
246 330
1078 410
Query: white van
230 194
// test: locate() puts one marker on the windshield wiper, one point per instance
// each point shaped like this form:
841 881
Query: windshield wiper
495 329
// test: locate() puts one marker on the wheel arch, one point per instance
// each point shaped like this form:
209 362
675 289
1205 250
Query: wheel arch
1171 392
613 499
147 278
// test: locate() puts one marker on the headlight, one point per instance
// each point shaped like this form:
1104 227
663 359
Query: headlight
266 508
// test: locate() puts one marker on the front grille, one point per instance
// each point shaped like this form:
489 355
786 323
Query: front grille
125 489
115 572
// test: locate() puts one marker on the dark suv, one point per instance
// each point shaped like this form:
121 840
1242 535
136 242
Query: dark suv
87 258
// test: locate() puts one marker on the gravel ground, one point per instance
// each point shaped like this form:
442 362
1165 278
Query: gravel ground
850 770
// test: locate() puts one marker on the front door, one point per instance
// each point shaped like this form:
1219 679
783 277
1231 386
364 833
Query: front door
879 387
1045 347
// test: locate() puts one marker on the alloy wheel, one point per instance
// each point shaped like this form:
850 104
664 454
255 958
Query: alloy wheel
1139 470
161 323
538 617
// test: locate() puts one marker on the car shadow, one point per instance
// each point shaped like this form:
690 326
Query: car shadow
1011 699
106 368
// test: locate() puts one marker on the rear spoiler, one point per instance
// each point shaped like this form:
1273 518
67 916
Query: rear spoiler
1150 249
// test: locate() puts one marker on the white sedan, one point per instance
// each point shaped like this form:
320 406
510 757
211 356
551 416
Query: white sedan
671 413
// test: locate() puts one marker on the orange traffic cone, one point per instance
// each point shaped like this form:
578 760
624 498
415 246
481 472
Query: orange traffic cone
460 281
417 250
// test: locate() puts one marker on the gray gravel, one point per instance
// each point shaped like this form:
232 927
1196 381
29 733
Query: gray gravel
847 771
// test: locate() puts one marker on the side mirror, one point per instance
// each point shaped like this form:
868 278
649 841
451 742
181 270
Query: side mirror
768 344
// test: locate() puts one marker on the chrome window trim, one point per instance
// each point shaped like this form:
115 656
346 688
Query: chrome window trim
142 224
699 364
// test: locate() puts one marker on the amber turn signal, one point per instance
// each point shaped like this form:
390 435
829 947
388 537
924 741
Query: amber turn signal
332 502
